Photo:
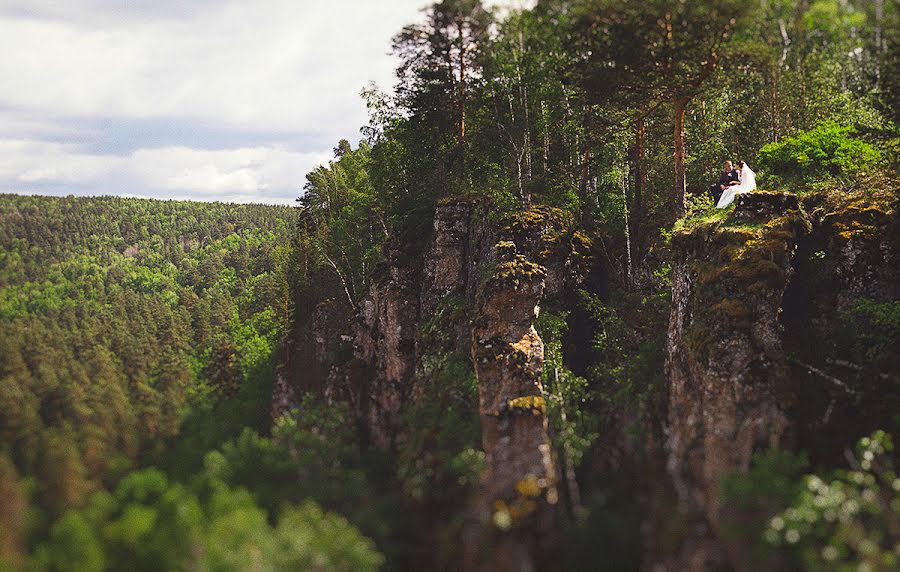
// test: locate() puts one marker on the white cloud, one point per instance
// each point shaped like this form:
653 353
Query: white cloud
252 174
94 91
269 65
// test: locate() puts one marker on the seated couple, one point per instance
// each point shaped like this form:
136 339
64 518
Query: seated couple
731 183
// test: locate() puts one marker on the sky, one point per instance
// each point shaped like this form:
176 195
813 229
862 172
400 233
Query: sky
214 100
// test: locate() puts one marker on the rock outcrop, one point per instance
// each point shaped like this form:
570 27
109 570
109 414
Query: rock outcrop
467 297
514 514
725 364
746 370
410 289
385 340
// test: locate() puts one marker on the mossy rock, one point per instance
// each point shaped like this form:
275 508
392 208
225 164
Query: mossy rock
763 205
515 273
527 404
538 218
465 199
858 220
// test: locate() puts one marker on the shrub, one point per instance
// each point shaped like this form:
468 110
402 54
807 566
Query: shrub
847 522
829 150
751 498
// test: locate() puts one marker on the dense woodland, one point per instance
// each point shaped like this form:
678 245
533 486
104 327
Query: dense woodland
140 340
136 336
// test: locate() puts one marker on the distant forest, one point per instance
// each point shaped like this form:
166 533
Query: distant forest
135 336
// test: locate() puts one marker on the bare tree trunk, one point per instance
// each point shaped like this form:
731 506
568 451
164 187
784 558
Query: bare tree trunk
546 121
800 33
776 74
583 185
680 105
523 97
341 277
628 260
879 47
639 177
462 102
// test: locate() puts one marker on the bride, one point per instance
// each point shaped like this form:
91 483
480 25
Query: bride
747 183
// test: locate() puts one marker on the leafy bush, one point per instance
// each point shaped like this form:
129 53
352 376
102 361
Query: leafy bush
829 150
848 522
315 446
150 523
751 498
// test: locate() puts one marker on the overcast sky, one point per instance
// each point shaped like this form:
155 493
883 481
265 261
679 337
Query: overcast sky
207 100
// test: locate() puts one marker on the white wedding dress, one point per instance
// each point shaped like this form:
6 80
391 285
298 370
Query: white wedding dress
747 183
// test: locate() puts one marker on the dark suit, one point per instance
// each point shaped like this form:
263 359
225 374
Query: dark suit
725 179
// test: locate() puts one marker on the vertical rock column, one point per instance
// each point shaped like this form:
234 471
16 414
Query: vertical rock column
514 515
725 365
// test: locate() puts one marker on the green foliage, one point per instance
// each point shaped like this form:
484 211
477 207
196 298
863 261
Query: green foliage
628 342
575 427
316 445
341 223
829 150
149 523
848 521
140 331
749 499
870 330
312 455
125 323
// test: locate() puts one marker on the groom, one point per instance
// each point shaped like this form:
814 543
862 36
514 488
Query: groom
729 176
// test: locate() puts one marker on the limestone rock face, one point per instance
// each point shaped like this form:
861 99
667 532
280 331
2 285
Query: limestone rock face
754 354
444 270
538 260
725 364
515 510
463 295
411 288
385 341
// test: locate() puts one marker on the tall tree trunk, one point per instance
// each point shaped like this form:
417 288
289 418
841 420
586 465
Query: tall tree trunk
879 40
523 98
639 176
583 185
628 259
546 122
776 73
462 103
680 105
800 34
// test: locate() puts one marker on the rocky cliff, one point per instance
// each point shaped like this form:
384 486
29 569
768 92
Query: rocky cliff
465 302
745 300
761 352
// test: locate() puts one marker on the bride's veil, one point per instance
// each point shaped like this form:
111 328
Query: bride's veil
749 178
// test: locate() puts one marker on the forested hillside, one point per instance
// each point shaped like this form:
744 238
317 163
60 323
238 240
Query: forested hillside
136 334
508 330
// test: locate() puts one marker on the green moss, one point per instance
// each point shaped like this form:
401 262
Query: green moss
525 223
533 404
732 309
859 219
737 267
514 273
